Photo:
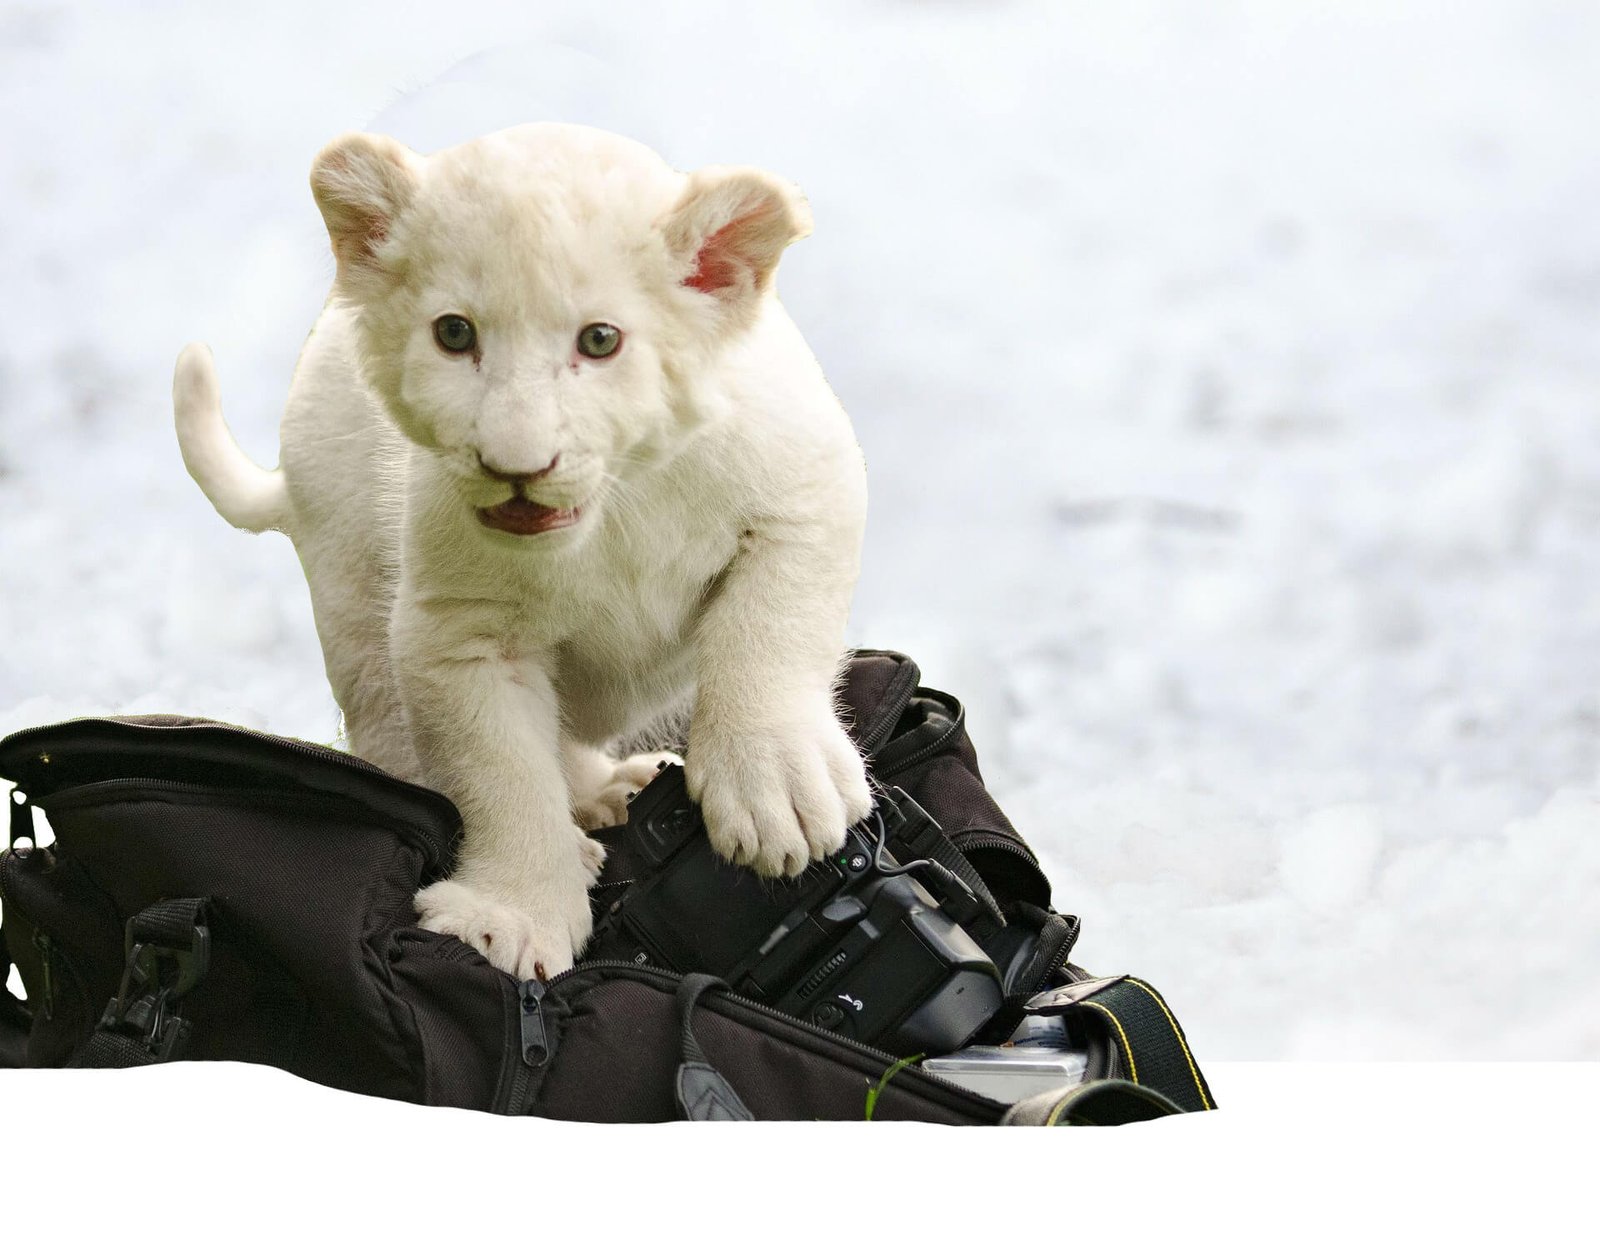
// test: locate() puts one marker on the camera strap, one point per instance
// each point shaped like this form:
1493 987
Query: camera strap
1151 1048
704 1095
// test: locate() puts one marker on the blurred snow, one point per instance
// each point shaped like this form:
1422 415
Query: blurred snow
1229 377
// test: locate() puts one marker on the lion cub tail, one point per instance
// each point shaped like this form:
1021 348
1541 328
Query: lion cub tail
246 495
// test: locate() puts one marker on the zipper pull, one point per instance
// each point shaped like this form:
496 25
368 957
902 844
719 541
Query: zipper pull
41 942
21 819
535 1040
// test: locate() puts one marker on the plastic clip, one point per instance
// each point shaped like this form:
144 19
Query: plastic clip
155 978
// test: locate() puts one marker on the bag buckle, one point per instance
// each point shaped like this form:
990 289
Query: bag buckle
155 977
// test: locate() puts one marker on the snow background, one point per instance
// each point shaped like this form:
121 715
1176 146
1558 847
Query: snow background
1229 377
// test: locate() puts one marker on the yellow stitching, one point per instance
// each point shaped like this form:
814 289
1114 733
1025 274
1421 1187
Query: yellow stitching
1127 1049
1193 1069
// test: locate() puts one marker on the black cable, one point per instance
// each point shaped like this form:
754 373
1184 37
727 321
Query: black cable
948 879
881 846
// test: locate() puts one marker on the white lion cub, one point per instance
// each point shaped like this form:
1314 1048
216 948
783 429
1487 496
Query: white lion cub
556 463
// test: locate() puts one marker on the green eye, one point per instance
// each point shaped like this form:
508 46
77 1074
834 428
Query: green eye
599 339
454 333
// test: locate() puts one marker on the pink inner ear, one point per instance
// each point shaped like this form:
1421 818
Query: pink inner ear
718 262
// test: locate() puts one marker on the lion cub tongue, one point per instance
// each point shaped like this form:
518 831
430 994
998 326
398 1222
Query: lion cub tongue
526 517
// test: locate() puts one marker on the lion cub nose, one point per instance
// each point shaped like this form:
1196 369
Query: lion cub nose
516 476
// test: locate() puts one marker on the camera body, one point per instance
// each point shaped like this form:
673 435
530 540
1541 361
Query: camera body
854 944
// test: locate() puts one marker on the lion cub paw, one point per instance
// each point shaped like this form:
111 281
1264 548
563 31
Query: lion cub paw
528 944
777 798
606 804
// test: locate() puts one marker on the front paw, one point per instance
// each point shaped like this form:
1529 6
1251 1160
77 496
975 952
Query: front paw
604 801
534 936
777 797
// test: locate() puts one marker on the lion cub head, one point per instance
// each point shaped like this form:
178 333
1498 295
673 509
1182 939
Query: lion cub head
530 303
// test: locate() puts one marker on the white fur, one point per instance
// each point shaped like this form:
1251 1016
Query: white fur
721 490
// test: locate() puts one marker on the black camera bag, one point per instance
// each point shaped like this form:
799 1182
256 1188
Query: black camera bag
219 893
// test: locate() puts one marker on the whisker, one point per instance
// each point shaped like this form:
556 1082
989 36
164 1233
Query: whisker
622 498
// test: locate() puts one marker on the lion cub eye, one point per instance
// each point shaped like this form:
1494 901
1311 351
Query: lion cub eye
454 333
599 339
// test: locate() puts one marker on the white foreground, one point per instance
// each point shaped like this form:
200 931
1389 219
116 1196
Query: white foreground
1305 1156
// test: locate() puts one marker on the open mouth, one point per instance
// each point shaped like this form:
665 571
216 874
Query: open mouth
519 516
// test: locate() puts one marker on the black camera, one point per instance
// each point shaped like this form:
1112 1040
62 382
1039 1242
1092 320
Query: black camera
855 943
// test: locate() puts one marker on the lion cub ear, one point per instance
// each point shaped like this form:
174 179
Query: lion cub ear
362 183
728 230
